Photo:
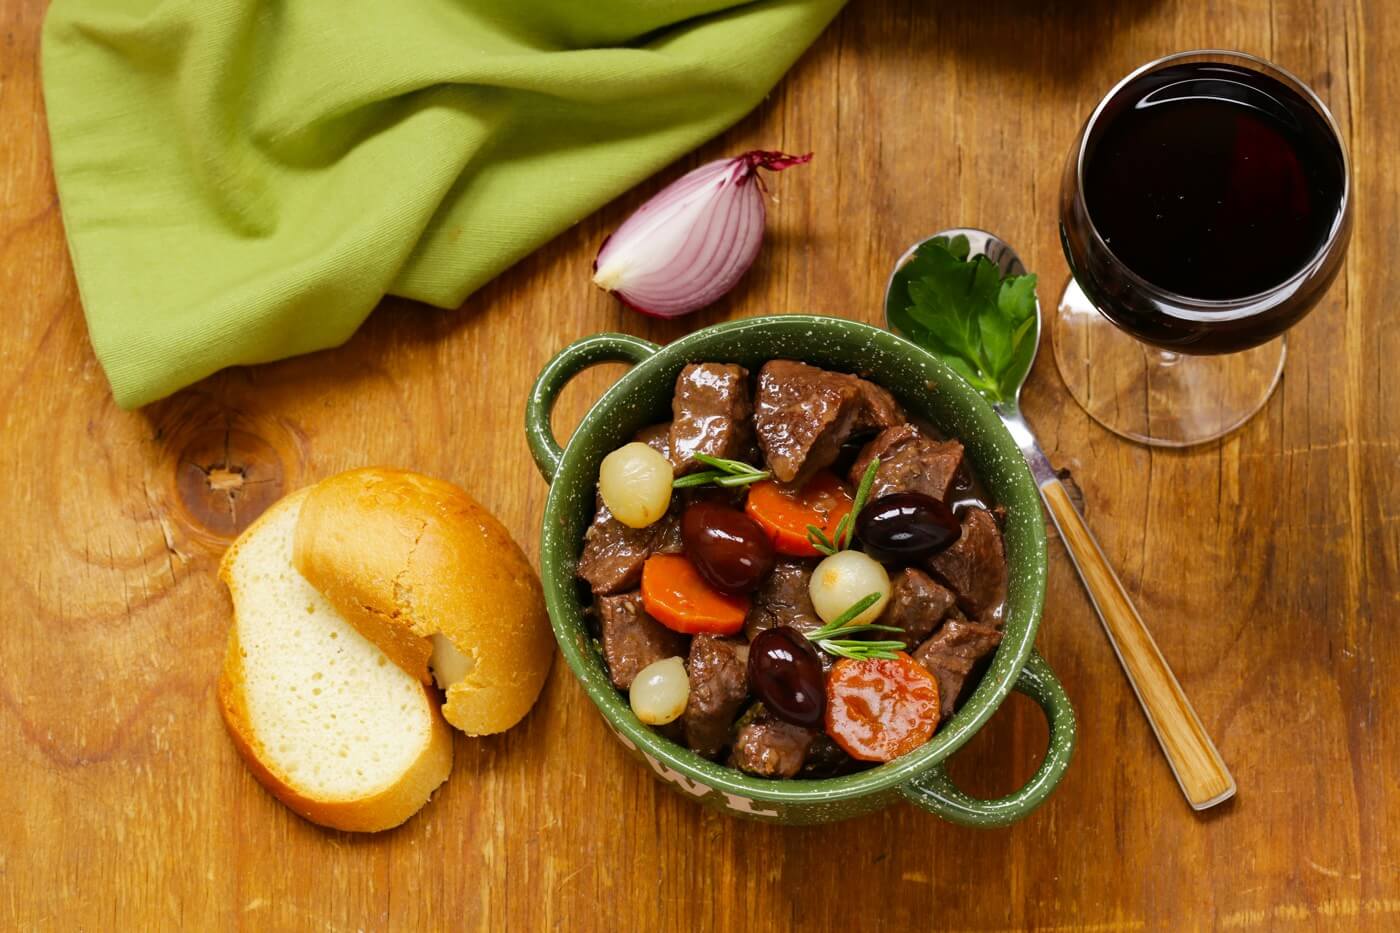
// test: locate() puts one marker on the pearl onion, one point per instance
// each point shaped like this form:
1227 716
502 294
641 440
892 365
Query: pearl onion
660 691
635 483
845 578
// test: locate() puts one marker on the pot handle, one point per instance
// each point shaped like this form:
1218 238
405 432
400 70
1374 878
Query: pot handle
935 791
568 363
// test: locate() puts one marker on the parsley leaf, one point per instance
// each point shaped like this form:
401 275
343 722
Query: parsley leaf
965 313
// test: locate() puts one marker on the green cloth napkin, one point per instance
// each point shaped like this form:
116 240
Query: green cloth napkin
242 181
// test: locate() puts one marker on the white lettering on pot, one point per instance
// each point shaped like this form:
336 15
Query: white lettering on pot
745 805
689 785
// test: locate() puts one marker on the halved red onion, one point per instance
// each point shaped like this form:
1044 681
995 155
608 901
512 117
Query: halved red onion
693 240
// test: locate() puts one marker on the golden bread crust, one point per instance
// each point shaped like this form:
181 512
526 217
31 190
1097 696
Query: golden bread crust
404 556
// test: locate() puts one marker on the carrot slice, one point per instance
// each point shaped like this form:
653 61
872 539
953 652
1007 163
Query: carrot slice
784 512
877 709
674 594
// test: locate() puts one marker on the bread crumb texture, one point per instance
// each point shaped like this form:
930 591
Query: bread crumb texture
332 714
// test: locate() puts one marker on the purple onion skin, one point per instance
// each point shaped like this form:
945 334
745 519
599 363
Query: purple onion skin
679 284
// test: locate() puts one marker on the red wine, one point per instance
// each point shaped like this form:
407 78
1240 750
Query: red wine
1212 181
1216 185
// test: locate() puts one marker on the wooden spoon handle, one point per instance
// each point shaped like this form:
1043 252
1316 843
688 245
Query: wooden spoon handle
1199 769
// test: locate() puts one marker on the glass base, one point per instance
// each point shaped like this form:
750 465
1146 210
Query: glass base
1155 396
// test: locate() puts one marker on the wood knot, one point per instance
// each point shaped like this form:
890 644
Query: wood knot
227 478
222 479
229 466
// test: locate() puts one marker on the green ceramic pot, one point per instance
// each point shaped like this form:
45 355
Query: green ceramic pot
929 390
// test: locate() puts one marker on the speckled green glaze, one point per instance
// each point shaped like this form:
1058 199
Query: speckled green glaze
929 390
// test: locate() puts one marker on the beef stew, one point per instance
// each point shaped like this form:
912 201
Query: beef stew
759 544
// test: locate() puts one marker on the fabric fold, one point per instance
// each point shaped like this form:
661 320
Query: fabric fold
242 181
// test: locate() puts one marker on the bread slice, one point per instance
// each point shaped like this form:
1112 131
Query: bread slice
436 581
325 721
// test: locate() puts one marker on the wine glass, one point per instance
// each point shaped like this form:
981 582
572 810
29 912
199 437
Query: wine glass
1205 207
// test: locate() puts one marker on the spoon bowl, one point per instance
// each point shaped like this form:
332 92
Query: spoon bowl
980 243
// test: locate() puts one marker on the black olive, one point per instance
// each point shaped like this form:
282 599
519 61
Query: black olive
907 526
727 547
786 675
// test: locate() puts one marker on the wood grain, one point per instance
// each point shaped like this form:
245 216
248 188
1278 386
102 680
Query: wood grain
1202 773
1269 563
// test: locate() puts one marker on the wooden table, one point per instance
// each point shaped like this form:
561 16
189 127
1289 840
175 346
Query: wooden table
1266 564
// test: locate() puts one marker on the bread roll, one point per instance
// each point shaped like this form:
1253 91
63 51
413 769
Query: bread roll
436 581
324 721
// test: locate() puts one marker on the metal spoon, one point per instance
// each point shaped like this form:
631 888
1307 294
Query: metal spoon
1199 769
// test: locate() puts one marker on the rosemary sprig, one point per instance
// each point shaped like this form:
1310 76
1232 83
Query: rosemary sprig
722 472
844 619
742 479
818 539
846 527
862 650
867 481
853 629
856 649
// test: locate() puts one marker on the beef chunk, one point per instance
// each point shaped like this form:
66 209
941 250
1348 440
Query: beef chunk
975 566
878 408
718 669
951 654
910 461
804 415
712 412
657 437
783 599
917 605
632 639
613 554
667 534
769 747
